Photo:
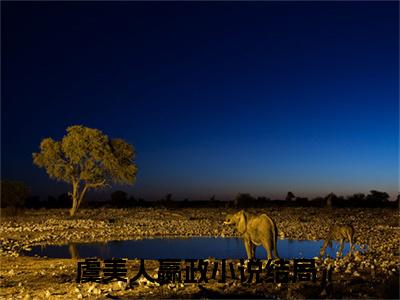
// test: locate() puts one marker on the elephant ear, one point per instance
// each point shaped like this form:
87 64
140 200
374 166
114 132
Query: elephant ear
242 224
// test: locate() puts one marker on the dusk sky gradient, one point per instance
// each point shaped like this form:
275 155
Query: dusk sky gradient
217 98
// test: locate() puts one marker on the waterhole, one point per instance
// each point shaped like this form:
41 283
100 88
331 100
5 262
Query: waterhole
183 248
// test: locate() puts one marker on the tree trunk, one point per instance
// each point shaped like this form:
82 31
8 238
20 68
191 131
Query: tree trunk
329 202
82 194
74 208
77 198
75 202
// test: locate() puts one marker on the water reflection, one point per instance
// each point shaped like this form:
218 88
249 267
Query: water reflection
73 250
194 248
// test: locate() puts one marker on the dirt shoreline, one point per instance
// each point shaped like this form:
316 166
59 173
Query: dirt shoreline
373 274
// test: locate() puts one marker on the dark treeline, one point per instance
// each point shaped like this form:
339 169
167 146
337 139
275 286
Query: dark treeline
16 195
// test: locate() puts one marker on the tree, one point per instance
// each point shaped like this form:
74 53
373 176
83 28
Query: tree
168 198
329 200
290 196
87 159
377 198
380 196
13 193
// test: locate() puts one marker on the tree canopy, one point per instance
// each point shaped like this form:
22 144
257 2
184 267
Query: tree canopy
87 159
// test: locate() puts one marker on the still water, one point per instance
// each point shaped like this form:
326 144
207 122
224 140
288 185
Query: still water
187 248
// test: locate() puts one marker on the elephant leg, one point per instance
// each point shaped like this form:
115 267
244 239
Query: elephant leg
268 248
341 248
247 244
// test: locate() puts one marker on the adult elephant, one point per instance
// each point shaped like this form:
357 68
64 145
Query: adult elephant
255 231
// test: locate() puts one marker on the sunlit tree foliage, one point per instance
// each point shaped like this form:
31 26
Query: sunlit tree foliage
87 159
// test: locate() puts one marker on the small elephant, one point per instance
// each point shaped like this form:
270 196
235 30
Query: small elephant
255 231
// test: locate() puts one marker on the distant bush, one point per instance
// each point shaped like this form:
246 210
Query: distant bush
13 194
33 202
119 199
376 198
243 200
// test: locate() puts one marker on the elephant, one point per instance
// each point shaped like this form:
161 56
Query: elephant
255 231
338 233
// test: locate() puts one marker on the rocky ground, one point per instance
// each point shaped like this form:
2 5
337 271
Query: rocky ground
373 274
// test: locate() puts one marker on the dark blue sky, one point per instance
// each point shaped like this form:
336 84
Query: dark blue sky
217 98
